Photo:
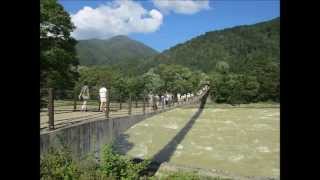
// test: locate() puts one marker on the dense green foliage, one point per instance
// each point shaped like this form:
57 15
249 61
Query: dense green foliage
226 87
122 86
239 47
60 165
159 80
234 88
119 50
57 48
243 62
118 166
180 79
153 82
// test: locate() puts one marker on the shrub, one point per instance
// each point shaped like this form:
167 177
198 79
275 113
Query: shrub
120 167
58 164
234 88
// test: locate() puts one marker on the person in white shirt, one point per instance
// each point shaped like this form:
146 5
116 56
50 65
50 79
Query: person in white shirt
162 100
166 99
178 98
103 98
84 96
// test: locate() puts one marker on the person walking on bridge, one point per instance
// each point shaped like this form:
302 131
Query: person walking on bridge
84 96
103 99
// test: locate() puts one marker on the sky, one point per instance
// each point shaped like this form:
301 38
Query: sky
162 24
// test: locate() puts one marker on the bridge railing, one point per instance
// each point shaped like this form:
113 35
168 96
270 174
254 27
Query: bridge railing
63 107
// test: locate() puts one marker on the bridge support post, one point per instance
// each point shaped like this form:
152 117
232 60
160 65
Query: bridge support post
120 101
51 108
136 100
154 103
148 104
74 100
130 105
107 112
144 105
162 102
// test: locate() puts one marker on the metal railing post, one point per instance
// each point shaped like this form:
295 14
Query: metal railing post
51 108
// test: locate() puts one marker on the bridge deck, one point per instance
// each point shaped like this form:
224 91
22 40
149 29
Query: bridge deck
64 115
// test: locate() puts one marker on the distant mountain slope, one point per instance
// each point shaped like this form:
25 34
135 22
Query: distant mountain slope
239 46
116 50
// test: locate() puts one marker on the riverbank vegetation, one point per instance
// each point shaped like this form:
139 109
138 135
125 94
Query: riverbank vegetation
58 164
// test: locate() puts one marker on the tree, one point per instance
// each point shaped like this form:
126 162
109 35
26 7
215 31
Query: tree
152 82
95 78
215 81
222 67
58 62
120 87
269 80
177 78
135 86
234 88
250 89
268 77
198 80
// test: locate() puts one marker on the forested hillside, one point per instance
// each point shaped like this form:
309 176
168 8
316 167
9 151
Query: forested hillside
243 62
116 50
240 47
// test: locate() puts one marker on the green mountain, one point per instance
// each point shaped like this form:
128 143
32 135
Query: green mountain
240 46
116 50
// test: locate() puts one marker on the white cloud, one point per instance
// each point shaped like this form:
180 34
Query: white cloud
120 17
181 6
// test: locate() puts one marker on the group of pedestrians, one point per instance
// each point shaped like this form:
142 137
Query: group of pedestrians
85 96
155 100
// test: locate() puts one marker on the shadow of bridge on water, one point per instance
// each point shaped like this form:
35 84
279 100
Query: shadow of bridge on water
168 150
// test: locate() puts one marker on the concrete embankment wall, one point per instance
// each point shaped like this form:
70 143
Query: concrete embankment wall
89 136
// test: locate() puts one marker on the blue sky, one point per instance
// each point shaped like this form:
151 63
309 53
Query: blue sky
166 26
